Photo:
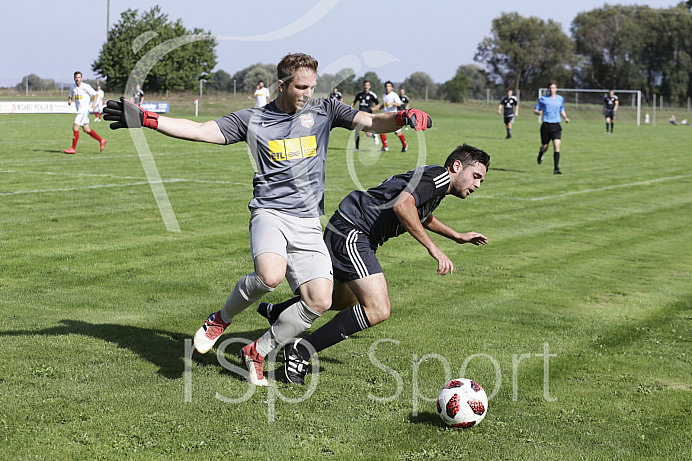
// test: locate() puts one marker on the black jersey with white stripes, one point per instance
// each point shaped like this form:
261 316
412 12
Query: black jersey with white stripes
371 211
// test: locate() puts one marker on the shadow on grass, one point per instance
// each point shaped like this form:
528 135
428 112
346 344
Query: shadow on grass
635 332
164 349
508 170
427 417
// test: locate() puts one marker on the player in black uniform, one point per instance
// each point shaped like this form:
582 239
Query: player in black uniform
336 94
367 219
405 101
610 106
511 110
366 100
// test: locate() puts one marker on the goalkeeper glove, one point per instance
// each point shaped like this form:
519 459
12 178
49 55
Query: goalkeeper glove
128 115
416 119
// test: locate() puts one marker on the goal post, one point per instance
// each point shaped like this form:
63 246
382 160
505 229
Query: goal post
576 91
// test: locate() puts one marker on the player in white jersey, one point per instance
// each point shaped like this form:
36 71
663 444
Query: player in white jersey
262 94
392 103
81 94
98 103
288 140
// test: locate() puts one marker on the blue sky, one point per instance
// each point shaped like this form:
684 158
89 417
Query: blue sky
393 38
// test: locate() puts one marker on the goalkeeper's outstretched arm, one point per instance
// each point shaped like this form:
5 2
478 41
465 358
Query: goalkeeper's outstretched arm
125 114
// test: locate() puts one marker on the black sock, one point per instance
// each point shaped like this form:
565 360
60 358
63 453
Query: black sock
612 125
606 127
277 309
344 324
509 131
556 159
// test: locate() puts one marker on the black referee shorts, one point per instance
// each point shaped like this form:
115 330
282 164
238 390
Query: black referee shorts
352 256
610 114
550 131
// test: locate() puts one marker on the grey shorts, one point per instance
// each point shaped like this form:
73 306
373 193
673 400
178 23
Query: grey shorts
298 240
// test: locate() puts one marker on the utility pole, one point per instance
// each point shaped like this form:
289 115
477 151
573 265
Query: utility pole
108 18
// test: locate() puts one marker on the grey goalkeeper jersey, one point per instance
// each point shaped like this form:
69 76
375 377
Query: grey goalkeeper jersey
289 151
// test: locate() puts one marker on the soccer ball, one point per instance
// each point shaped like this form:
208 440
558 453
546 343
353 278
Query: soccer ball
462 403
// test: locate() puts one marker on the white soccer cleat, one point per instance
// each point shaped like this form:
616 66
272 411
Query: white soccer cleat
206 336
254 363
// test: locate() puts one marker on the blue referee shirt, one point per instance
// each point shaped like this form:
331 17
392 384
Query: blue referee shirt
551 108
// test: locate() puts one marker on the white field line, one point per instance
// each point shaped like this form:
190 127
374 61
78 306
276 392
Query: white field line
142 181
201 153
587 191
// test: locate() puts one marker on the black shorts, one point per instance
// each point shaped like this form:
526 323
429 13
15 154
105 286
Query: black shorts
509 119
610 114
550 131
352 255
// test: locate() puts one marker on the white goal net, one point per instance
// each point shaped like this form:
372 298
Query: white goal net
593 99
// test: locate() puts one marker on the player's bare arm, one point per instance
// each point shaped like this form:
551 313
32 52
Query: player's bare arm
392 121
405 209
435 225
192 131
125 114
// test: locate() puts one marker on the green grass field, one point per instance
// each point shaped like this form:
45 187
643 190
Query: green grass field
576 317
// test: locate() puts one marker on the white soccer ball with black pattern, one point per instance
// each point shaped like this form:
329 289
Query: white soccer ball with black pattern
462 403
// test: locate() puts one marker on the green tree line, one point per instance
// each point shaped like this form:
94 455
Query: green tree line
624 47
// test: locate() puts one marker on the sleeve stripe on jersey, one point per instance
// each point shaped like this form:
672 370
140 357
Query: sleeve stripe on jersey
442 180
353 255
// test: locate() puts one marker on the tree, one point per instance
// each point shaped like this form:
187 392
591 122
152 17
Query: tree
456 89
35 83
478 81
185 58
416 85
376 85
246 79
606 39
525 53
636 47
668 52
343 79
220 81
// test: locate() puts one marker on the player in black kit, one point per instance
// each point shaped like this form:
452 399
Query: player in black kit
511 110
367 219
610 106
366 100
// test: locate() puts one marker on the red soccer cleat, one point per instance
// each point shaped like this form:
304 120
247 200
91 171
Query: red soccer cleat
71 150
103 144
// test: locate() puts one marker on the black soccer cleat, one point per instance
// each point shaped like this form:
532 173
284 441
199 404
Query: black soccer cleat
557 171
265 310
540 158
295 366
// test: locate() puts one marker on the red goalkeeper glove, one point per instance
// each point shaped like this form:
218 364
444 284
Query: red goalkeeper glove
416 119
128 115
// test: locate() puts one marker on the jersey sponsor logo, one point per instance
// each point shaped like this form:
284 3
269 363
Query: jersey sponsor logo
292 148
307 120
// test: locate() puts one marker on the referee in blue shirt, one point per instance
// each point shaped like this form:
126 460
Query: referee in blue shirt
551 106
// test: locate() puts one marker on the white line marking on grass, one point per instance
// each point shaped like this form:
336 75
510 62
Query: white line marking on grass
587 191
51 173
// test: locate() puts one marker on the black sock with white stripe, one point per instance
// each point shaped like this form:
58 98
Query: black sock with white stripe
344 324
